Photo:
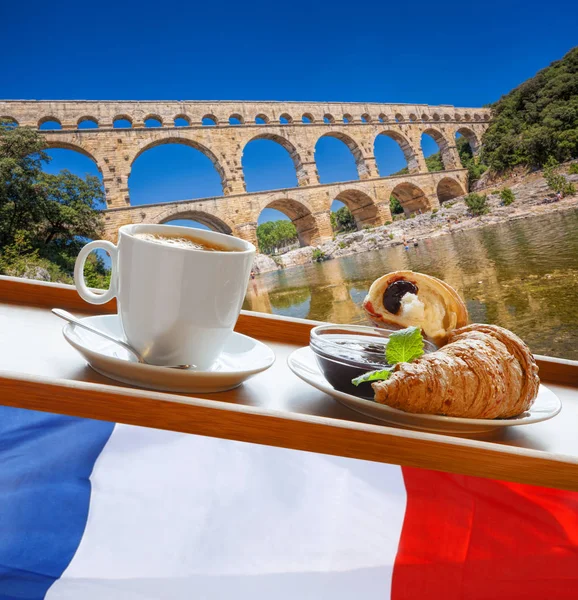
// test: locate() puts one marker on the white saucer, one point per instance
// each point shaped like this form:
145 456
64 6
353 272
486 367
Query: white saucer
241 358
304 364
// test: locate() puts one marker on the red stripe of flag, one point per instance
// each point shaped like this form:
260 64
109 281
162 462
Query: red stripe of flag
466 538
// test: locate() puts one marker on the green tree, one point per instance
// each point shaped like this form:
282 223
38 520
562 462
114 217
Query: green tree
395 206
44 219
275 234
21 159
403 171
343 220
536 120
434 162
470 162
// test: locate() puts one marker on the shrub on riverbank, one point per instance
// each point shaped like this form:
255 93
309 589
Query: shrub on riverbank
318 255
573 169
477 204
507 196
556 181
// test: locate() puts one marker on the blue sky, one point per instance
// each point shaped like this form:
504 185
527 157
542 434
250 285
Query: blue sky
457 53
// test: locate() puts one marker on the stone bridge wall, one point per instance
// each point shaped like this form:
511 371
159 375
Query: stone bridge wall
297 126
308 207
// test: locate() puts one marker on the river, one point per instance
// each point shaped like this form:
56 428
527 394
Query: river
521 275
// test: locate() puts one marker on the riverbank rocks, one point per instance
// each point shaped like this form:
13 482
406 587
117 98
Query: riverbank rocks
295 258
530 191
264 264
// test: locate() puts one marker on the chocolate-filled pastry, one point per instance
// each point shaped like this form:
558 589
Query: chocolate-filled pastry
405 298
483 372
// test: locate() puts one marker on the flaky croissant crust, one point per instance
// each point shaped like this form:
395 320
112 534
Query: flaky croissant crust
484 372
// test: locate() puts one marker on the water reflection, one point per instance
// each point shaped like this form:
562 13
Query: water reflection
521 275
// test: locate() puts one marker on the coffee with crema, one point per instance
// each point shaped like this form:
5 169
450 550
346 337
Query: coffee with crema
186 242
179 291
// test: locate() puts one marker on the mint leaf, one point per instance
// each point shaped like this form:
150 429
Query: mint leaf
404 346
372 376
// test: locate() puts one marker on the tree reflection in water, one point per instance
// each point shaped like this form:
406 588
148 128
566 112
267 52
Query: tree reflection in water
522 275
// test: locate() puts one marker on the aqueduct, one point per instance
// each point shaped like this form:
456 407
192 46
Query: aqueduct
221 130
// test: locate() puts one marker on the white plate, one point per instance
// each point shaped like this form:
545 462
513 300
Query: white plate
304 364
241 358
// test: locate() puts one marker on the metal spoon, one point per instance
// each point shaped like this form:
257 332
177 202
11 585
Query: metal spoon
63 314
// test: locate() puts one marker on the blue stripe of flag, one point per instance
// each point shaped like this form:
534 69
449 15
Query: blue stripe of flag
45 464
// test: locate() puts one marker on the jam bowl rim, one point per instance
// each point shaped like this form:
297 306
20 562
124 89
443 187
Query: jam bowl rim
319 344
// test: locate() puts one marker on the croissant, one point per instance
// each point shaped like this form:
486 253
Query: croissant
483 372
405 298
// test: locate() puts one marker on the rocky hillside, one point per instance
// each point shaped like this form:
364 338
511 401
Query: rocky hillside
536 120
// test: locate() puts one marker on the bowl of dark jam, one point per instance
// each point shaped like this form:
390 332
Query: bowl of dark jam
344 352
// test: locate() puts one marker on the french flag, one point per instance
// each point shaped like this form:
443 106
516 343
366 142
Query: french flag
97 511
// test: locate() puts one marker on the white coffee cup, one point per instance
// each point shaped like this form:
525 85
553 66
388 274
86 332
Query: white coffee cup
176 305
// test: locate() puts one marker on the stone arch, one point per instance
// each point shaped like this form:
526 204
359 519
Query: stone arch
354 148
307 118
154 117
347 118
406 148
287 117
412 117
449 188
49 119
399 118
366 118
85 119
236 117
328 118
187 142
61 144
472 138
443 145
412 198
9 121
68 146
361 206
436 117
262 117
122 118
425 117
184 117
383 118
477 117
301 216
486 117
467 117
209 117
447 117
205 218
458 117
291 149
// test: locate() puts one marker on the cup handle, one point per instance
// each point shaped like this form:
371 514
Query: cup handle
83 291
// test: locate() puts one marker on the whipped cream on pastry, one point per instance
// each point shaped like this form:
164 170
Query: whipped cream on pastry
405 298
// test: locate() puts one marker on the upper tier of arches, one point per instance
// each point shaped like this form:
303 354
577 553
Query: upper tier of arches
267 115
